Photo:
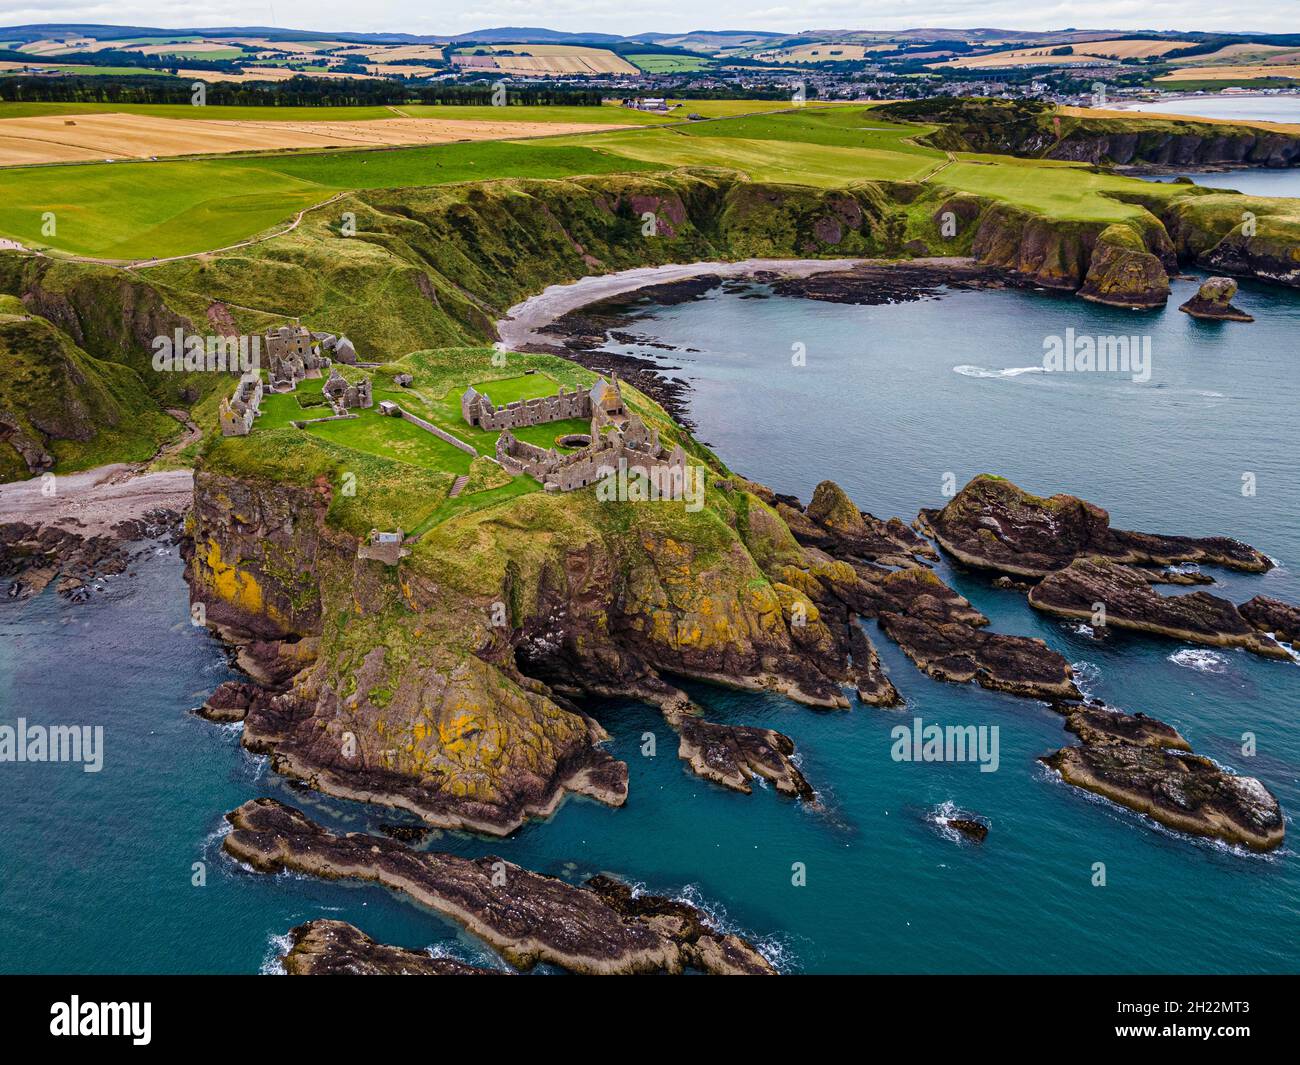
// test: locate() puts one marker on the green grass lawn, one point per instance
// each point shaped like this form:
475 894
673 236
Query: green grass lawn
546 435
765 159
668 64
135 210
1063 192
393 438
142 209
503 390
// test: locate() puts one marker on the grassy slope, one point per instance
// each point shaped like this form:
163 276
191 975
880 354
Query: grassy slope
84 411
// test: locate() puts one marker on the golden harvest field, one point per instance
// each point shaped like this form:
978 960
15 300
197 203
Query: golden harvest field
112 135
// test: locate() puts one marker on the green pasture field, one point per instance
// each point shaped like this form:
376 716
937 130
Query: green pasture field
668 64
138 210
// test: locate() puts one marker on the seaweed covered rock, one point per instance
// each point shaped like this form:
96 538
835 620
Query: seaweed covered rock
733 755
527 917
1271 615
1181 791
993 524
1213 300
1128 601
1096 723
336 948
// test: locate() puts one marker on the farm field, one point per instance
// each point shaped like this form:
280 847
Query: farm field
607 115
185 206
1233 73
668 64
1247 54
541 59
14 67
823 53
59 139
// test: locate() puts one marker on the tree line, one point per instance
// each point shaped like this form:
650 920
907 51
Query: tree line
300 91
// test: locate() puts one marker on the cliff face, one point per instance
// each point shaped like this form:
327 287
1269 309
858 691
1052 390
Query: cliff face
1094 142
1121 264
436 267
422 687
1029 128
61 406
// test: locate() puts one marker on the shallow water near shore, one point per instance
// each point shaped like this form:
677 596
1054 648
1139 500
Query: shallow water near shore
96 869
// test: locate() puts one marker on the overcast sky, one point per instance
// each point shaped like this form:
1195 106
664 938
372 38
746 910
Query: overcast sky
638 16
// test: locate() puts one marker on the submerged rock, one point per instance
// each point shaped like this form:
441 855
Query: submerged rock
1213 300
969 827
336 948
1131 603
993 524
1181 791
527 917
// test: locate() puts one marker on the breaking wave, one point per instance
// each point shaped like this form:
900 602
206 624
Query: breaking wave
1011 371
1200 659
277 947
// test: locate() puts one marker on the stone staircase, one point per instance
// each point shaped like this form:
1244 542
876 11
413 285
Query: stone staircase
458 485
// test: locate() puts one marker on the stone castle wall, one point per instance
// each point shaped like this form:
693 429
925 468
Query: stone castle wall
479 410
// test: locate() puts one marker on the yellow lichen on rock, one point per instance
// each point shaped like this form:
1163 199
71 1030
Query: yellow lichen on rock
230 583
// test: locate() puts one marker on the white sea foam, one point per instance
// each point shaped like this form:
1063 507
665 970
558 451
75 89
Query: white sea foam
1200 659
941 816
1010 371
1086 674
277 947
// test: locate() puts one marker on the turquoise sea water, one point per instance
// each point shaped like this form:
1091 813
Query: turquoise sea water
96 869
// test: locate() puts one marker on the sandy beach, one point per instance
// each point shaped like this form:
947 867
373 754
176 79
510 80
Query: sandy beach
525 322
93 502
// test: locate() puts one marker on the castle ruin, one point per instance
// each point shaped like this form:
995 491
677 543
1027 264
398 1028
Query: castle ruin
344 395
237 413
618 440
293 354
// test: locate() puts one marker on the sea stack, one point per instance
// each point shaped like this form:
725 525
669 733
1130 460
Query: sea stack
1213 300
